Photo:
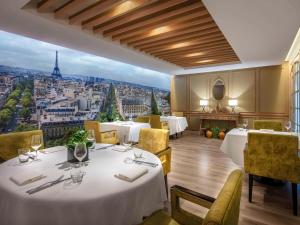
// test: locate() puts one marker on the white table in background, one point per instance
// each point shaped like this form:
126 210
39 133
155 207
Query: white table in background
101 199
128 130
176 124
235 142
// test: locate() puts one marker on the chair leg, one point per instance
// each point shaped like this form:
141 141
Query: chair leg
166 184
295 200
250 187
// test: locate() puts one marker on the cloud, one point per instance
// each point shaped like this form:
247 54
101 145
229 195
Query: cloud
19 51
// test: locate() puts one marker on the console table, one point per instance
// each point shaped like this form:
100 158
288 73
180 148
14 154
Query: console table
230 117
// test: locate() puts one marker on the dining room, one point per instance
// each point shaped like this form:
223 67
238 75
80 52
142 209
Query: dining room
149 112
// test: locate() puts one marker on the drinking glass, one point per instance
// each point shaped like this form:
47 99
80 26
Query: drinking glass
36 143
80 151
76 173
138 153
288 126
23 154
91 138
126 143
245 124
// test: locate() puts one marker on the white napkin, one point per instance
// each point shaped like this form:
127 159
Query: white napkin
131 174
26 178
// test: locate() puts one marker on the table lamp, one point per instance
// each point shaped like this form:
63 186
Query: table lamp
233 103
203 104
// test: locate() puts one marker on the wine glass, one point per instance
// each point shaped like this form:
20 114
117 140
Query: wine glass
80 152
36 143
288 126
126 143
91 138
245 124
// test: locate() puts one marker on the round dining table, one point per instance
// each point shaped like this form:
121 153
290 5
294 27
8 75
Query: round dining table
101 198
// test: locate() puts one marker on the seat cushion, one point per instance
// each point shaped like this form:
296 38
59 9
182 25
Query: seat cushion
159 218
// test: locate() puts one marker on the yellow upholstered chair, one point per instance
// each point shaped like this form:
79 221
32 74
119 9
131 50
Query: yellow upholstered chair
10 143
224 210
107 137
268 124
157 124
142 119
179 114
274 156
156 141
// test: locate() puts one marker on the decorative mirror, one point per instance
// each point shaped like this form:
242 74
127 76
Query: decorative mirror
218 90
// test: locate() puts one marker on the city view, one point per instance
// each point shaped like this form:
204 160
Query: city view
56 103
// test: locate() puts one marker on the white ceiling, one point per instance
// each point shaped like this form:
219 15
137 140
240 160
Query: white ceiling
260 31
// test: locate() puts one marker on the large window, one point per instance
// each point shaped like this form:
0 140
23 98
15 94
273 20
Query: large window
296 97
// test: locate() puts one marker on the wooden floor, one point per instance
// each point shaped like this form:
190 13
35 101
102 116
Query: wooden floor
198 164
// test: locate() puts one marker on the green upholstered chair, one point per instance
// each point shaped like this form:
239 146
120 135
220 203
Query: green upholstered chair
268 124
11 142
274 156
107 137
224 210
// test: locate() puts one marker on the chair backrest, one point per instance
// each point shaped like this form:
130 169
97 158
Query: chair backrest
11 142
142 119
153 140
225 210
93 125
179 114
155 121
273 155
268 124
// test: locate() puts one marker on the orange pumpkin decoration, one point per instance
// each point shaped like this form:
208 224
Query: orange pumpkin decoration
222 135
209 134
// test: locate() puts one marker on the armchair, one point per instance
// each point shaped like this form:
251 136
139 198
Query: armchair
156 123
179 114
142 119
268 124
108 137
223 210
10 143
274 156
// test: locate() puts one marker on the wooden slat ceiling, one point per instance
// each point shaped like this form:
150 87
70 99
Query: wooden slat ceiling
181 32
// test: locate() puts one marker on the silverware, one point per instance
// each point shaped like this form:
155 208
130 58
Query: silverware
105 147
47 185
146 163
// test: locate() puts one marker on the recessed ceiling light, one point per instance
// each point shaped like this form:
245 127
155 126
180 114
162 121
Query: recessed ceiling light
205 61
159 30
180 45
194 54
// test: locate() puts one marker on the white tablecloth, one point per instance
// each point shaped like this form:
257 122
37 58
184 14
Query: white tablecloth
176 124
235 142
101 199
127 130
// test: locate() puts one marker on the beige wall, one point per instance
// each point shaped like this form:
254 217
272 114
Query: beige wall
262 93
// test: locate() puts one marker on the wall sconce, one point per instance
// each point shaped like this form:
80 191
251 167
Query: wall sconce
233 103
203 104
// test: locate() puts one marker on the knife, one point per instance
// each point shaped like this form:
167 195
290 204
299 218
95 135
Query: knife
144 162
47 185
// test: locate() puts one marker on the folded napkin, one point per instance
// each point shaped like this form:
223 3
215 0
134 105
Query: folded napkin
26 178
131 174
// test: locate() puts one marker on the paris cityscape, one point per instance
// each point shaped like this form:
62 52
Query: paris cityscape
53 102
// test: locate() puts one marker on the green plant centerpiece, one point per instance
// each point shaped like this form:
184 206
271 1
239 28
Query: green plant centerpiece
77 137
215 131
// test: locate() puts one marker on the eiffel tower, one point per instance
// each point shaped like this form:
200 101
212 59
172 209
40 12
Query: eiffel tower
56 73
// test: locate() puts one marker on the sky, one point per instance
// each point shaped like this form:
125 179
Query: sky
20 51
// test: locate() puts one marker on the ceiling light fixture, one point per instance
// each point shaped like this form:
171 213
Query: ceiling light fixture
180 45
124 7
159 30
205 61
195 54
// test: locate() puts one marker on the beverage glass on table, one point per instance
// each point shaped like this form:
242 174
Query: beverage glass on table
288 126
245 124
126 143
23 155
80 152
91 138
138 153
36 143
76 172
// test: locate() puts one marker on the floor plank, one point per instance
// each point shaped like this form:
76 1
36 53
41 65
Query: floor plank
198 164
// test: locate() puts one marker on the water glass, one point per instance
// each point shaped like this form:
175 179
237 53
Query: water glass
23 154
80 151
36 143
138 153
76 172
288 126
